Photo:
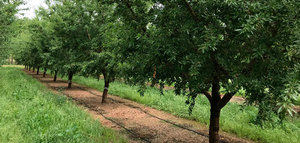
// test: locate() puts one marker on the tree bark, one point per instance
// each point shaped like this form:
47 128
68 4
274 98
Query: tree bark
38 70
12 60
153 82
55 76
45 71
161 88
214 112
216 105
214 125
106 86
70 79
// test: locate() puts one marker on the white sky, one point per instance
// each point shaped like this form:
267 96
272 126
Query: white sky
32 5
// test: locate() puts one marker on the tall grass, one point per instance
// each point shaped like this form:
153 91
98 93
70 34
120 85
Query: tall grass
235 118
30 113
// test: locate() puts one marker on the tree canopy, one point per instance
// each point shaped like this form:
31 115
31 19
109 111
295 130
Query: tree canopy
213 48
8 9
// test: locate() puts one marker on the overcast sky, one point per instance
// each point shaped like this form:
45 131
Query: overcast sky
32 5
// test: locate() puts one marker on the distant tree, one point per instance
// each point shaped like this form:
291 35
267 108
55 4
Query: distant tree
26 45
70 20
8 9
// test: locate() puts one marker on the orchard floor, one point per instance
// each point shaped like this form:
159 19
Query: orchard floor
137 122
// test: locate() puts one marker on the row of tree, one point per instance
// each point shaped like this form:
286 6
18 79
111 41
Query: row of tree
8 9
200 45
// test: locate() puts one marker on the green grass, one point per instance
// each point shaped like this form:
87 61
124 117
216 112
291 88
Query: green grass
31 113
234 118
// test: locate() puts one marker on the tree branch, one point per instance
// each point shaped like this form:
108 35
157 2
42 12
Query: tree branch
193 13
134 15
208 96
129 7
226 98
87 32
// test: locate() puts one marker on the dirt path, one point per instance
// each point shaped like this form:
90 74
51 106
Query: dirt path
137 122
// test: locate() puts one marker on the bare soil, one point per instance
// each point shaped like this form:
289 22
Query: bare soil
137 122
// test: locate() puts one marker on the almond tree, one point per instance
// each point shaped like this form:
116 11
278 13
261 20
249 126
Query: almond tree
27 44
103 57
8 9
70 22
102 43
205 45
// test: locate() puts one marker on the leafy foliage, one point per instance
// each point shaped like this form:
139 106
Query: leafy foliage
200 46
8 9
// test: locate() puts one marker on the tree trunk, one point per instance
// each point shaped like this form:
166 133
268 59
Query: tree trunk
55 76
214 112
12 61
45 71
33 70
38 70
70 79
153 82
216 104
106 86
29 68
214 125
161 88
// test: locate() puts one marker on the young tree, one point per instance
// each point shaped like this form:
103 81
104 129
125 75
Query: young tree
103 43
27 45
42 34
70 21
